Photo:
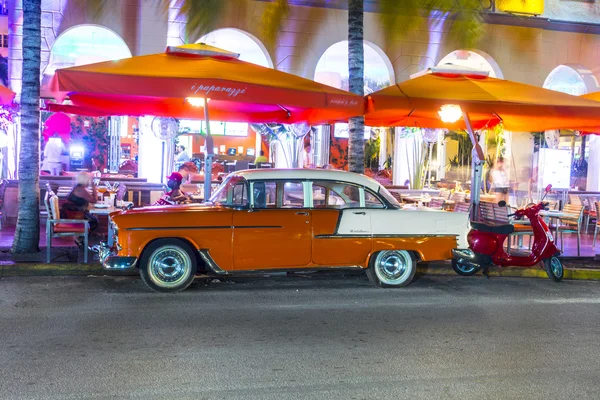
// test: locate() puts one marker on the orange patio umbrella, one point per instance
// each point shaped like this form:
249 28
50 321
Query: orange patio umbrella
487 101
175 84
454 98
6 95
186 81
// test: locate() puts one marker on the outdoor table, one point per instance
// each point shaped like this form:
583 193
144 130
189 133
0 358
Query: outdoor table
557 215
102 210
196 198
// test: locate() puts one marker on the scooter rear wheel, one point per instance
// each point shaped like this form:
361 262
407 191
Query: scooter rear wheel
464 269
554 268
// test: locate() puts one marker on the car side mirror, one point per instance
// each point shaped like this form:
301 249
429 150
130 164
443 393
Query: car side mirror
502 203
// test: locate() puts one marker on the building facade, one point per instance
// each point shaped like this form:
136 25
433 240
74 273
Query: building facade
559 48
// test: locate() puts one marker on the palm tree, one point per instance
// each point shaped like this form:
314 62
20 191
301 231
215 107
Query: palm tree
356 80
27 233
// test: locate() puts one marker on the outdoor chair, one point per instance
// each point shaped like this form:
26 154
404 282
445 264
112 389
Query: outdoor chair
570 224
458 197
462 207
589 211
486 211
3 186
445 193
521 229
57 227
437 204
121 192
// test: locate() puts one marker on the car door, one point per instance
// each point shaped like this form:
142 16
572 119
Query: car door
341 227
276 231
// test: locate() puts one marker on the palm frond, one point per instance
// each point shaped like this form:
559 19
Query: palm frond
272 20
202 16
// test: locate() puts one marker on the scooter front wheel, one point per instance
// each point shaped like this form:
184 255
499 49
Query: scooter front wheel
464 269
554 268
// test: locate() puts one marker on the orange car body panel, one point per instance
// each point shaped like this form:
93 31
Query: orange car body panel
266 239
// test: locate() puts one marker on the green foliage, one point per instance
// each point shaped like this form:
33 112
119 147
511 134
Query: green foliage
372 147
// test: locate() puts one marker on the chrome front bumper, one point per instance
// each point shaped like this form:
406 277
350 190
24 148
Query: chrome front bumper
111 261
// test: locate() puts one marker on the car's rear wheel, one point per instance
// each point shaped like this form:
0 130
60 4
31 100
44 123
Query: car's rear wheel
392 268
168 265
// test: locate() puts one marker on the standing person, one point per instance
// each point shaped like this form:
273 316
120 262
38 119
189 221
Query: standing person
52 153
306 158
500 181
182 156
79 200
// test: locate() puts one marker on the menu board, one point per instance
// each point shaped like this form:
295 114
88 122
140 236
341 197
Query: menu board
554 168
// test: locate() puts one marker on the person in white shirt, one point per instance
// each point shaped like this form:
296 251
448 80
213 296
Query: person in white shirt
181 157
500 181
52 153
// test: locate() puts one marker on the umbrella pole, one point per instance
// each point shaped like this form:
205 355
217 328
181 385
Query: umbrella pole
477 168
208 154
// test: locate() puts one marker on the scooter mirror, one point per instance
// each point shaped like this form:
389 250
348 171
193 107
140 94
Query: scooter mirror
502 203
548 188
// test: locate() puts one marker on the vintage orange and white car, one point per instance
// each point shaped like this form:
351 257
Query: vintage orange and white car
282 220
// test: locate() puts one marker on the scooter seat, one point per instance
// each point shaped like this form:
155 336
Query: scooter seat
492 228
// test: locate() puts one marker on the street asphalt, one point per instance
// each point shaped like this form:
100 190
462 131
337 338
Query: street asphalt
299 337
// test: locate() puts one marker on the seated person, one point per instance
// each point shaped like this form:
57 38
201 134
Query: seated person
186 170
79 200
261 158
176 195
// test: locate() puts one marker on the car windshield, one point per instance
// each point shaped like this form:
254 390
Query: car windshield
389 197
231 193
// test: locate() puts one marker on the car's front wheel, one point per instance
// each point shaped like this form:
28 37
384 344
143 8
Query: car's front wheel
168 265
392 268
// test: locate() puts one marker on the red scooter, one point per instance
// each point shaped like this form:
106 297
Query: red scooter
486 245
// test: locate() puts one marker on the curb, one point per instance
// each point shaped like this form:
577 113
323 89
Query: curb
512 272
440 269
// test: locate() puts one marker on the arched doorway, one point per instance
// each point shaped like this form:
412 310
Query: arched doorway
576 80
80 45
475 59
332 70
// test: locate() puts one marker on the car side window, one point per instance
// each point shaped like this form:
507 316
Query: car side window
240 195
293 195
335 195
372 201
264 194
324 197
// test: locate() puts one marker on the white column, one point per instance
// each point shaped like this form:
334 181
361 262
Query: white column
404 158
383 133
441 158
150 150
593 175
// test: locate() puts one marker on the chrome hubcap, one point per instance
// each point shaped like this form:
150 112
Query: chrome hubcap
556 266
169 266
392 267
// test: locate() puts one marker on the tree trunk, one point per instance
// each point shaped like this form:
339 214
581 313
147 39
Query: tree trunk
356 65
27 233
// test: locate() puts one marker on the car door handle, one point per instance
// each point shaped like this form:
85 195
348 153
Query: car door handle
301 213
359 213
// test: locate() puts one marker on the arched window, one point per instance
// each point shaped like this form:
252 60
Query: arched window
571 79
332 70
475 59
249 48
85 44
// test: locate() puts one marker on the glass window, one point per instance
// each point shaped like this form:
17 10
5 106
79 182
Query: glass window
337 195
389 197
325 197
371 201
232 193
240 195
265 194
293 195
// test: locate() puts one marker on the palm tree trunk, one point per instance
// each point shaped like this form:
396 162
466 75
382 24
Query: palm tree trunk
27 233
356 65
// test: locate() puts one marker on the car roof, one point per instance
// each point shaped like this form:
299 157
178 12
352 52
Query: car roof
312 174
